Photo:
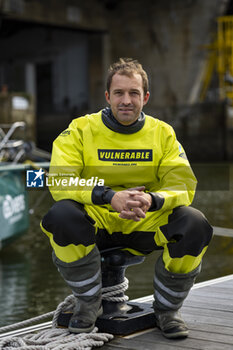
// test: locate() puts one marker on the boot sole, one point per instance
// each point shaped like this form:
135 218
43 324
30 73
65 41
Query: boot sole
178 335
82 330
174 335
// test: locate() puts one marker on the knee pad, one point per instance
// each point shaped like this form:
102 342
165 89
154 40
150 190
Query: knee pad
187 231
69 223
196 224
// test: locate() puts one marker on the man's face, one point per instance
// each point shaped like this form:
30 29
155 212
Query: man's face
126 97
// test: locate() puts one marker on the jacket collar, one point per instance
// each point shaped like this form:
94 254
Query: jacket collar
110 121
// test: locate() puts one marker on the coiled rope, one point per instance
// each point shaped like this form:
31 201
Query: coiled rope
56 339
108 293
60 338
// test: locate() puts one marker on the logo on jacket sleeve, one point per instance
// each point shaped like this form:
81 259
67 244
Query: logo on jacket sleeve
125 155
65 133
182 152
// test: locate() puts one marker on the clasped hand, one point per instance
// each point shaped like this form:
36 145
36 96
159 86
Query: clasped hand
132 204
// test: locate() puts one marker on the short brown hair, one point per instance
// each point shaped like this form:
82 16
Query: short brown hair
127 66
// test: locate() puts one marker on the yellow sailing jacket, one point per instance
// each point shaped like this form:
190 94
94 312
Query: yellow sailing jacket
93 154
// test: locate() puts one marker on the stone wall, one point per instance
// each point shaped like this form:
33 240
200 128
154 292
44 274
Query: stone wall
201 129
168 38
77 14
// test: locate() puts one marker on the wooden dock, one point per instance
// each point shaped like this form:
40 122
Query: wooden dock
208 311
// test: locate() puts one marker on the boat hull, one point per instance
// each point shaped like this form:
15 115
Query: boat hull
14 214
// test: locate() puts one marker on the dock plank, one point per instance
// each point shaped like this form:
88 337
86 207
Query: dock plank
225 232
154 340
195 340
225 288
214 294
205 335
205 303
211 328
208 312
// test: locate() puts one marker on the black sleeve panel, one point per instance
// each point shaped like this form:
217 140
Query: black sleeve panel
102 195
157 201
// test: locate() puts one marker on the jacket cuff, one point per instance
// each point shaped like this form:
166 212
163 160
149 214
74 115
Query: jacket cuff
157 201
102 195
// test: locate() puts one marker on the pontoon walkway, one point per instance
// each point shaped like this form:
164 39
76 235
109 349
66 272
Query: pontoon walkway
208 311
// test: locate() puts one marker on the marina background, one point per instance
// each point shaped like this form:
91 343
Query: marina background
54 57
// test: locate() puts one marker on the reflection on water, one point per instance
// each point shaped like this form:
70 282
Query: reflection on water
30 284
13 288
